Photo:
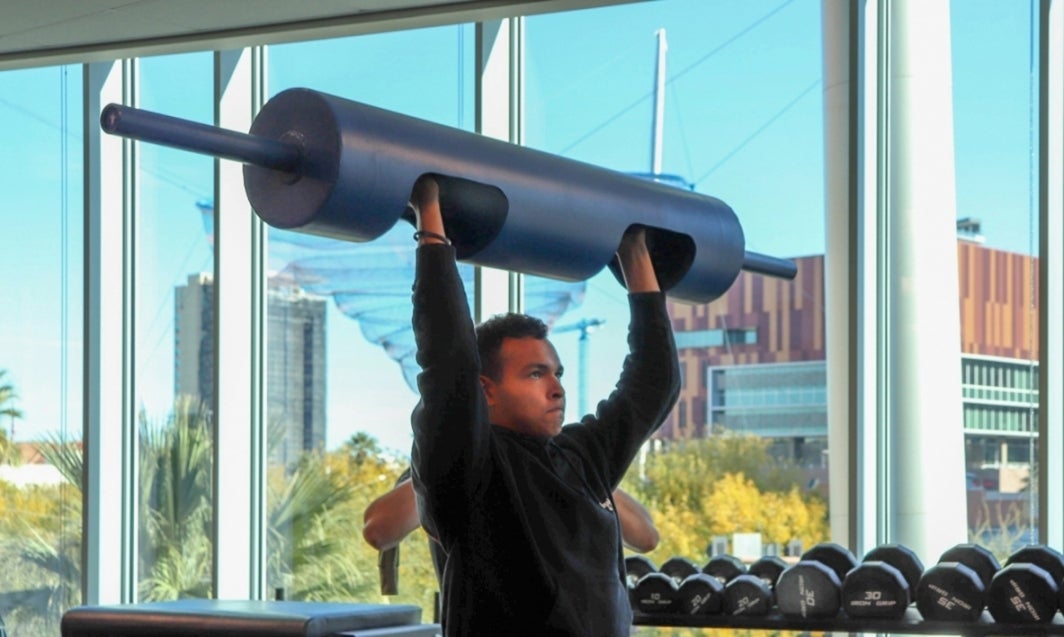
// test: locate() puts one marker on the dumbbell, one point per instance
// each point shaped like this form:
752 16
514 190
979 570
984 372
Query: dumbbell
955 588
724 567
751 593
698 591
699 594
768 569
812 588
658 591
677 587
679 568
1027 588
655 593
636 566
882 586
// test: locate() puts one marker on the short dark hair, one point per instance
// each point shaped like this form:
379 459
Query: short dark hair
492 332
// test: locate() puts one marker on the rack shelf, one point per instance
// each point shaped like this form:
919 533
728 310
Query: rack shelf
911 624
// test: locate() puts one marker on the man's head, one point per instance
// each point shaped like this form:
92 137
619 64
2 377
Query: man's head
521 374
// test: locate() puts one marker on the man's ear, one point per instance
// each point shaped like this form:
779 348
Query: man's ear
488 385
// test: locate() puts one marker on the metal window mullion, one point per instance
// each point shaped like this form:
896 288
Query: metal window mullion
1051 271
851 109
130 429
259 442
109 460
516 107
866 253
499 51
878 270
239 539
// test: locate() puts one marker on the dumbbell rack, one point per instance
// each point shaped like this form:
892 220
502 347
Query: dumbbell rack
912 624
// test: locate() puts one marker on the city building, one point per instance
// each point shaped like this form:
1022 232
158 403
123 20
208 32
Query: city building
754 363
295 342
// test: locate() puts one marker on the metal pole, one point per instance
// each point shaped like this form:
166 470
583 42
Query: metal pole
201 138
659 105
583 344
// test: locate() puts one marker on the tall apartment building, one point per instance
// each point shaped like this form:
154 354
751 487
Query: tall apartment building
753 361
295 345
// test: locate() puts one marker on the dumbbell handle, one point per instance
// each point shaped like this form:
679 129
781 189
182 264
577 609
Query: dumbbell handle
174 132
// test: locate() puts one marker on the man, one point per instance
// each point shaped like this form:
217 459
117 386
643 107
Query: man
393 516
521 506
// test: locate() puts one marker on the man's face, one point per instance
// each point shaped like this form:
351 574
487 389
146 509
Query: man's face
528 397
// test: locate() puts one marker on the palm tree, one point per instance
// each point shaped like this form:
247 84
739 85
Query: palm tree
7 395
175 531
9 453
51 556
305 548
175 500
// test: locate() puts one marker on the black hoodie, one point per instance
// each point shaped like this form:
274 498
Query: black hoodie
528 525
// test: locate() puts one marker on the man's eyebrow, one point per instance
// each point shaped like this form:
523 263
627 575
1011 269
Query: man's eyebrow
532 367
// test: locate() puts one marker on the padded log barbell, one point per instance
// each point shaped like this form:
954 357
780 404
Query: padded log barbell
329 166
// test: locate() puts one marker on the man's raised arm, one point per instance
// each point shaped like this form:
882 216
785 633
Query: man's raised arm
634 259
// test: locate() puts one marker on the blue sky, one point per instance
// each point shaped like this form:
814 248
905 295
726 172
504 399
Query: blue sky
743 121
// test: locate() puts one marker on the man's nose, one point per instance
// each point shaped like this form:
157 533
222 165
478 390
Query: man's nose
557 391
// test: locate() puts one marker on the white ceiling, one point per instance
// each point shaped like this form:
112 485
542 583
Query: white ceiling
45 32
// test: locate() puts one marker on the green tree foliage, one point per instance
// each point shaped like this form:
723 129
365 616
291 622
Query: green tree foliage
724 484
694 490
371 474
312 511
40 546
175 503
308 528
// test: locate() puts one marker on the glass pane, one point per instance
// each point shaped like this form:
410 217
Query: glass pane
174 358
996 167
40 348
742 118
340 350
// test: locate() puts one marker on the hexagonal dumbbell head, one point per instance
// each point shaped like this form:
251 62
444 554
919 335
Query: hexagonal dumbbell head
724 567
679 568
875 590
808 590
748 594
835 556
975 557
900 557
636 566
768 569
700 594
950 591
655 593
1027 589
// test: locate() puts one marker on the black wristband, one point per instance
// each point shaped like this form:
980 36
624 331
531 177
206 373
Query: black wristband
432 235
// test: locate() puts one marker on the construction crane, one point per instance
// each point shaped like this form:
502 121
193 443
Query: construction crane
585 327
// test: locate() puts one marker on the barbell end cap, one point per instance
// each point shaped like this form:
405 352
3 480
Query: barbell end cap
109 117
769 266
